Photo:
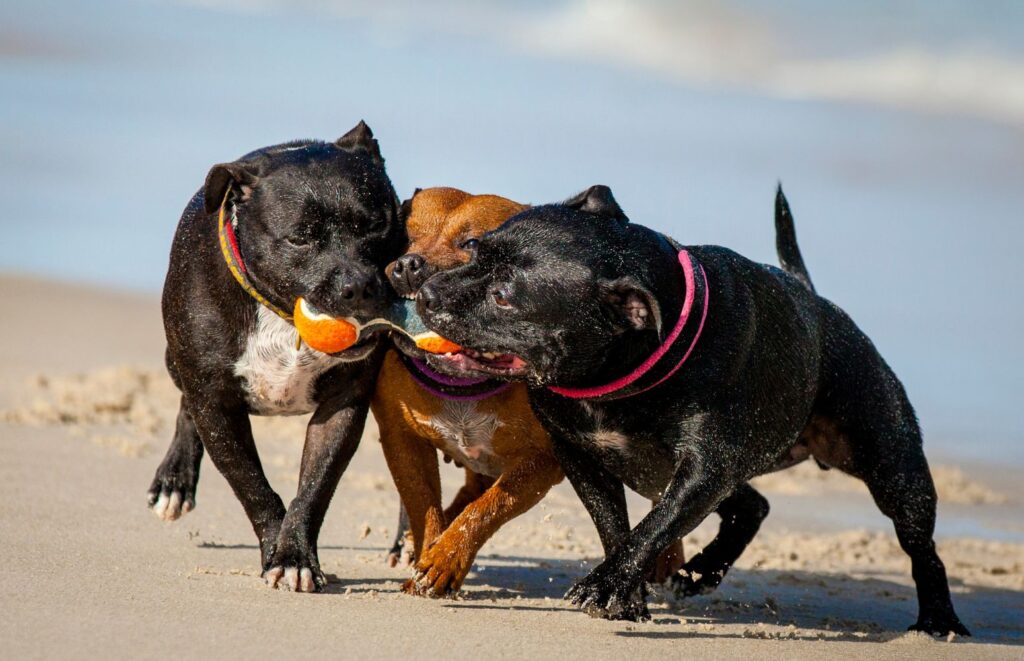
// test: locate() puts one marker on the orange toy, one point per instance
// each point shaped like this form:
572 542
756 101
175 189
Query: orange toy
322 332
331 334
434 343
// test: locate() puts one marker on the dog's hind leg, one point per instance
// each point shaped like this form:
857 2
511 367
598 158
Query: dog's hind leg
173 491
402 533
902 487
742 513
864 425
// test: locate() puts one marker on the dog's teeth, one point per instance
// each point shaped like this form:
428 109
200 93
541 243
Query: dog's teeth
490 355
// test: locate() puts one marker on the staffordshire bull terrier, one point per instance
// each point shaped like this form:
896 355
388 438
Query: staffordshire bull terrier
309 219
681 372
481 424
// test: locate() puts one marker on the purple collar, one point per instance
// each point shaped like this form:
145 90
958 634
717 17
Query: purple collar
452 388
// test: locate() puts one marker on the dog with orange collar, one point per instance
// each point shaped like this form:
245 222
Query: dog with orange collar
304 227
682 373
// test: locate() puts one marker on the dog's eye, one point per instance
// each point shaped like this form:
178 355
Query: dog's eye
500 297
298 240
469 244
376 223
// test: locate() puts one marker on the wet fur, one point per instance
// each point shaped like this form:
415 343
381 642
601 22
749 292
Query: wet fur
776 367
508 458
312 219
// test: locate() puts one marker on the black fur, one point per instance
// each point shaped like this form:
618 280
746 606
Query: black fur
317 220
779 373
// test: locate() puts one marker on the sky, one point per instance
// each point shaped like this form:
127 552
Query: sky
896 128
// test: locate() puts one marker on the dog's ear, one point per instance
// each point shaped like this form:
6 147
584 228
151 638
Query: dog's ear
226 176
361 138
630 305
598 200
406 208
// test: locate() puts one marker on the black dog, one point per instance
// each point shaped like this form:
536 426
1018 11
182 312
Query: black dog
304 219
682 373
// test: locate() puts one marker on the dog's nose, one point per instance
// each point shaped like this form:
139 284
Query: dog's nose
359 286
429 298
409 263
408 273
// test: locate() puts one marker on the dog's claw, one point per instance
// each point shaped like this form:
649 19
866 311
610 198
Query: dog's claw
293 565
170 506
294 579
608 598
291 579
940 626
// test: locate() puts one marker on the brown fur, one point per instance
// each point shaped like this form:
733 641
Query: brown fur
447 541
520 457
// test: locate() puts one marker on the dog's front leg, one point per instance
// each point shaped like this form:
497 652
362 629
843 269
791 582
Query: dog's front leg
604 496
693 493
227 437
331 439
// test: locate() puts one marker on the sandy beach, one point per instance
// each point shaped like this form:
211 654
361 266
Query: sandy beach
85 415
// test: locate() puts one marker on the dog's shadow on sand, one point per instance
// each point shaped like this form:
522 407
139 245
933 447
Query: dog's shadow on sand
802 603
799 604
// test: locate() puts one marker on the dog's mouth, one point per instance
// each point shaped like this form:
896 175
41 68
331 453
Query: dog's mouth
359 350
494 363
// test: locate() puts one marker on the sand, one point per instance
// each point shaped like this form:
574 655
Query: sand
86 413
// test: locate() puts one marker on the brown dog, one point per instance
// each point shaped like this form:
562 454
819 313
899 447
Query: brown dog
485 426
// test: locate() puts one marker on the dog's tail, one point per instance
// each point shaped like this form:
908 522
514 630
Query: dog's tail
785 241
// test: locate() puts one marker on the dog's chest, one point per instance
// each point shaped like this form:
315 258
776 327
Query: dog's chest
467 434
601 432
278 378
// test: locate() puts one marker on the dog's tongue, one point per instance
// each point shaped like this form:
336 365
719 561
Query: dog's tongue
404 317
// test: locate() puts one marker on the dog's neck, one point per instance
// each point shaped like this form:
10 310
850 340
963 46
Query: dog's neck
631 368
451 388
226 227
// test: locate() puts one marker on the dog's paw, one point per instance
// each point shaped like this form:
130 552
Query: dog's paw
402 551
670 561
172 493
692 584
609 597
443 568
939 625
294 565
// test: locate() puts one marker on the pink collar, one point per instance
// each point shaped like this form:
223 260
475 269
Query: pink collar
615 386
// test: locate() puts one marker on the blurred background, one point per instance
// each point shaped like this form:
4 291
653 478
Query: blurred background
897 129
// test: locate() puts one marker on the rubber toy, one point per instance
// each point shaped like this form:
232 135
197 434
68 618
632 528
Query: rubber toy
332 334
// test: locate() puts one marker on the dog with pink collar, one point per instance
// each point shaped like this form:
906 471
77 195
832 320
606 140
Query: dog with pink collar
706 368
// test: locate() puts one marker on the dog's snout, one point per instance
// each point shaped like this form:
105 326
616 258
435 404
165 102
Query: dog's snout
408 273
359 288
429 298
409 264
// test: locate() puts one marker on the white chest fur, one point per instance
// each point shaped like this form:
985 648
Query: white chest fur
602 436
278 378
468 434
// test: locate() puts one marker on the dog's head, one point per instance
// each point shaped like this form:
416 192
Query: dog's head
317 220
443 226
553 296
